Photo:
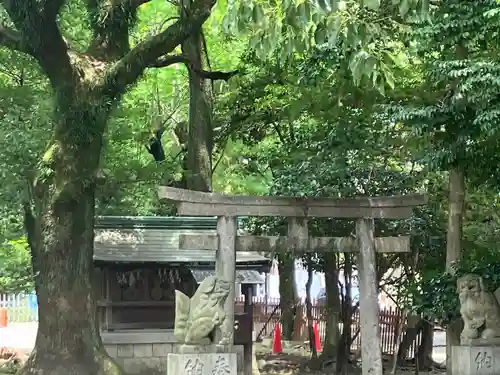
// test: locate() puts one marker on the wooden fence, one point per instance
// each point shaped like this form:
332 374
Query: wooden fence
391 320
21 308
24 308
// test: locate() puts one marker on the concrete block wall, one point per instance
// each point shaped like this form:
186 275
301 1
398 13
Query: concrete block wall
151 358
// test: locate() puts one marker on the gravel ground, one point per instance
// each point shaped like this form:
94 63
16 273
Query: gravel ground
295 360
294 364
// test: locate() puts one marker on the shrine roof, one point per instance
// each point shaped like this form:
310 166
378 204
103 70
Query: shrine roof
156 240
157 222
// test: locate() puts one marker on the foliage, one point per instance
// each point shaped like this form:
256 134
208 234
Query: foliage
15 264
459 120
451 112
328 139
435 294
365 30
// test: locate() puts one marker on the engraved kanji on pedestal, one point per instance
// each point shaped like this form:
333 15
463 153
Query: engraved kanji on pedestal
202 364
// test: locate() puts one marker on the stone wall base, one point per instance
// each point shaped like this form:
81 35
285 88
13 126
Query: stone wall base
151 358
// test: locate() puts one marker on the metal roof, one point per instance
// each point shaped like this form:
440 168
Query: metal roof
155 222
242 276
142 245
158 222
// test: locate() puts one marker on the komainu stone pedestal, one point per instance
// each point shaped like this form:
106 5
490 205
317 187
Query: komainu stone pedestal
476 360
204 360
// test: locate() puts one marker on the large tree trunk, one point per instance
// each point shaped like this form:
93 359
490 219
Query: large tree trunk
288 294
60 229
453 247
333 307
60 215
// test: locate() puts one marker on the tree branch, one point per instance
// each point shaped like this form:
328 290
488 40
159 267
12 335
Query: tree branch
12 39
40 37
212 75
129 68
53 57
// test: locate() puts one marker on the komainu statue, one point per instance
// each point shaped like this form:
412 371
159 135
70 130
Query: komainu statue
479 309
196 318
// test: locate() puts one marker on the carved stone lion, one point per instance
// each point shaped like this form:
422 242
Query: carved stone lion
196 318
479 309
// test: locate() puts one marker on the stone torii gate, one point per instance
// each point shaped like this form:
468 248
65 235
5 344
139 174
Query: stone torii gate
364 209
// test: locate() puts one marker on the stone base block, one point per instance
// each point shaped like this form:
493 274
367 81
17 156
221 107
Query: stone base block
202 364
495 341
198 349
476 360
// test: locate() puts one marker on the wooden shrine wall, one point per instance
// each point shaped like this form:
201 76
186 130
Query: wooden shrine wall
140 297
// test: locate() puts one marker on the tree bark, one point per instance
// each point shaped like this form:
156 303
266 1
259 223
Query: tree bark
415 324
333 308
288 294
453 246
310 318
344 348
426 345
60 230
200 138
